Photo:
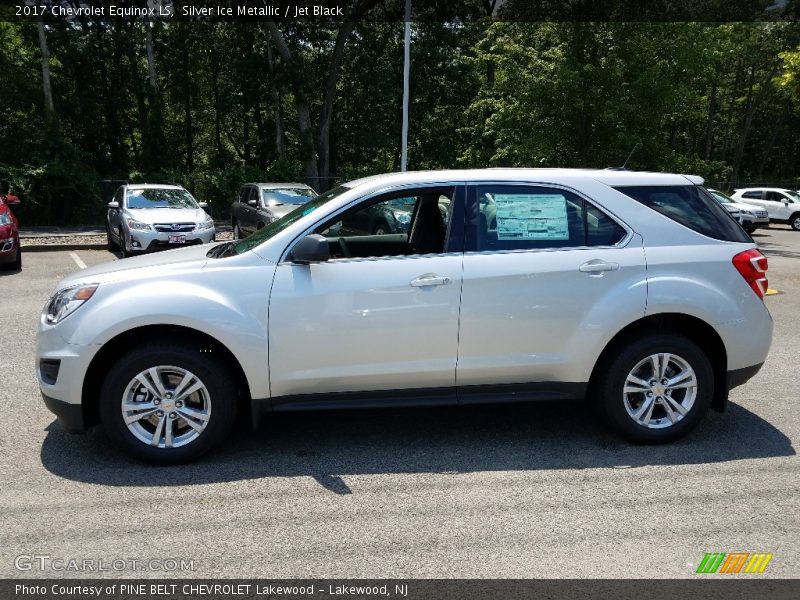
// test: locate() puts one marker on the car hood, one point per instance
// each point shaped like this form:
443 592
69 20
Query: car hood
147 265
167 215
744 206
282 210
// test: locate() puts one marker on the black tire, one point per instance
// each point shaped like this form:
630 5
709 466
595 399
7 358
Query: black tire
749 229
13 265
794 221
613 374
112 245
381 228
123 248
213 374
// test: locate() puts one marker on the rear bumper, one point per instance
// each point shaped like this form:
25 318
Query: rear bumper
70 416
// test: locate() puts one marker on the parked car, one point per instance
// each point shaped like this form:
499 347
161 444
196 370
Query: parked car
10 250
588 287
782 205
146 217
261 203
749 216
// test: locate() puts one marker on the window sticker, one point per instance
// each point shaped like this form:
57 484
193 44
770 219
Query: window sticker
531 217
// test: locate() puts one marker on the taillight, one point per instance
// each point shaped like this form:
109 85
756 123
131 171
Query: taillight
752 265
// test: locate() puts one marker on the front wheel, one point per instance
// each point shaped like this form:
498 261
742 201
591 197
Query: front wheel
112 245
794 221
123 245
656 389
168 403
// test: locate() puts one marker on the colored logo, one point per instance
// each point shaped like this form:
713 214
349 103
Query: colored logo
735 562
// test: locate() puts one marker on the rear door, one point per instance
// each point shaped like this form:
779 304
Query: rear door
546 276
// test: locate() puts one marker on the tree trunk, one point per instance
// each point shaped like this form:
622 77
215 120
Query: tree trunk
773 136
151 61
48 91
712 106
326 115
276 100
307 150
752 103
187 96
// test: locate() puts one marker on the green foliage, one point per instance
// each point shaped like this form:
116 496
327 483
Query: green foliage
718 100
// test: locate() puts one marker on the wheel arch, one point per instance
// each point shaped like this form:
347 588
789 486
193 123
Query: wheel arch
127 340
693 328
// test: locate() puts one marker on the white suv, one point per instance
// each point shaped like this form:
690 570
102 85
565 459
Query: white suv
782 205
628 289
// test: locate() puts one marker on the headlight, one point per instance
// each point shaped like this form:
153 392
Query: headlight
207 224
403 218
138 225
67 301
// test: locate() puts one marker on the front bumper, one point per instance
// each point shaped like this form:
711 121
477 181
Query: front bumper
70 416
7 248
148 241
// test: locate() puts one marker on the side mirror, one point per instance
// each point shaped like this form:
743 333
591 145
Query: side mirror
274 203
203 204
11 199
253 202
113 204
311 249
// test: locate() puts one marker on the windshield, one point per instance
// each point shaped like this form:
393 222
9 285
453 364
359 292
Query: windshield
160 198
794 195
720 197
273 197
279 225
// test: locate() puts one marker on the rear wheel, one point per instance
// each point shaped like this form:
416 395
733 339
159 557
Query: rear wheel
794 221
168 403
656 389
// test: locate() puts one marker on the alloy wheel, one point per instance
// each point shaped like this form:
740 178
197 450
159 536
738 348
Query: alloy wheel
166 407
660 390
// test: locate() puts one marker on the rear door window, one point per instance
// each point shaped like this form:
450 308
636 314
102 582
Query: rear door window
691 206
506 217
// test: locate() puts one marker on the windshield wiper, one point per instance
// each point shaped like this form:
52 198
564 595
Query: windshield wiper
219 250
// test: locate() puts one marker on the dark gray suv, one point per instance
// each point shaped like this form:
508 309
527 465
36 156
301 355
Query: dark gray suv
259 204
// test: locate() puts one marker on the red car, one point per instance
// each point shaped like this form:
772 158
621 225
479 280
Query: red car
10 254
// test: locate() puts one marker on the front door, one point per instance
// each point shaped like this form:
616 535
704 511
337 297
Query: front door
382 314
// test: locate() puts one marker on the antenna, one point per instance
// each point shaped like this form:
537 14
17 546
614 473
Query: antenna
625 164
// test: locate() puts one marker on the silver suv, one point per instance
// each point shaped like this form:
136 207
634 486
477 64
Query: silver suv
148 217
627 289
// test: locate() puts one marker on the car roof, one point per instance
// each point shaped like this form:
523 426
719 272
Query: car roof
763 189
165 186
274 186
608 177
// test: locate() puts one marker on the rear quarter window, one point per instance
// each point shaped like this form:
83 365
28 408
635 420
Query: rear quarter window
691 206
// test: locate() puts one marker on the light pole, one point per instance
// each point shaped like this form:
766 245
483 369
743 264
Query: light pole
406 73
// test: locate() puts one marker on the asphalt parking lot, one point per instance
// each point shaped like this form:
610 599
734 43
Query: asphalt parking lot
512 491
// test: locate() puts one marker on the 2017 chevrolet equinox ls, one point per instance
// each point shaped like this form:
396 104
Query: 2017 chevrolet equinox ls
629 289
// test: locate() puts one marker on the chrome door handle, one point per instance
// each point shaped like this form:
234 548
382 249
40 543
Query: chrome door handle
598 266
430 279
